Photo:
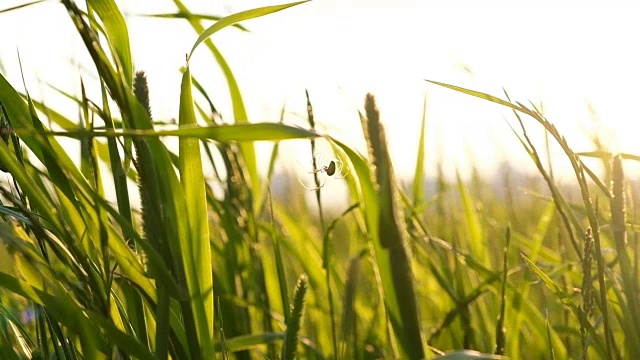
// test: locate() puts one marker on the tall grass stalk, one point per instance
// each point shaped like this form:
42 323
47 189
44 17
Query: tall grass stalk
393 259
325 245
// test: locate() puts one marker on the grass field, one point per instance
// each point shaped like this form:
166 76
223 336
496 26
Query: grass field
212 266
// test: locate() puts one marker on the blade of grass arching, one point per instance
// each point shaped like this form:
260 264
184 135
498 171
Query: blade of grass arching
292 334
481 95
236 18
418 176
196 249
239 111
192 16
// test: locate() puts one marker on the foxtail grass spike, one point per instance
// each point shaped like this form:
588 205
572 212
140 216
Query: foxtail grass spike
292 334
392 256
151 218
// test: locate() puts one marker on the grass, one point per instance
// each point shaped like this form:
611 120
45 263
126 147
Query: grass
466 271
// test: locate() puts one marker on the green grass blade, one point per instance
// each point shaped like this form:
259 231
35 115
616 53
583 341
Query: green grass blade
235 18
192 16
196 249
472 221
418 176
481 95
116 33
239 111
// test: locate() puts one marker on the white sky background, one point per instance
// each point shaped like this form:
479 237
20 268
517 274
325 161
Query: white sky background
560 57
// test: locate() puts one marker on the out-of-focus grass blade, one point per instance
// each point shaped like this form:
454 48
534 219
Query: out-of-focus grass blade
472 220
116 33
418 176
235 18
196 248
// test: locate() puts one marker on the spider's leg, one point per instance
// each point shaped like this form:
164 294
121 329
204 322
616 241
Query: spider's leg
311 189
339 170
322 169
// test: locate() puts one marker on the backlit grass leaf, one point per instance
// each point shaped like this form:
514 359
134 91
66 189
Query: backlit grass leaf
239 111
190 16
116 33
235 18
196 248
480 95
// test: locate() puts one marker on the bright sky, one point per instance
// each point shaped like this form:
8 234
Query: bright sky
561 57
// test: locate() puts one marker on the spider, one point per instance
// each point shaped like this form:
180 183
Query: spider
334 168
